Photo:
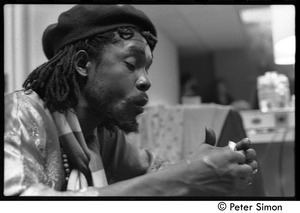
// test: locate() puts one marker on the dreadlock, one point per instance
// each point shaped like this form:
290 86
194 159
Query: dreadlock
56 81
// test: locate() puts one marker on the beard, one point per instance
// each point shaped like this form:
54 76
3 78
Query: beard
122 116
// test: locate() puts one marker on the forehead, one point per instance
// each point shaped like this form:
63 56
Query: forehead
137 44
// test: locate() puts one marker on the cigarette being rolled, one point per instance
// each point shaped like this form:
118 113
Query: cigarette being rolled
232 145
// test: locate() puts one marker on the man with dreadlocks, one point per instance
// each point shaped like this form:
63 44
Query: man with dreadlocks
64 133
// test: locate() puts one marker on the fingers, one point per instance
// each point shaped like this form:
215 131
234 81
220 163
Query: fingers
247 158
238 157
210 136
244 171
250 155
254 166
245 174
243 183
244 144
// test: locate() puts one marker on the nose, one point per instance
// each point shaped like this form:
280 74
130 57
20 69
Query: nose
143 83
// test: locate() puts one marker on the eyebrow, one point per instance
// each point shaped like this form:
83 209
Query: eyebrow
138 50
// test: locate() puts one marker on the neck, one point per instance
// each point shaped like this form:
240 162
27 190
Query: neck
88 119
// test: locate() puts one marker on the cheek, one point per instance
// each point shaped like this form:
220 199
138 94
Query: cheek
120 85
120 89
113 80
115 89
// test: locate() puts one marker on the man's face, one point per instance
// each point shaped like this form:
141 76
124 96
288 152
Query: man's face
116 87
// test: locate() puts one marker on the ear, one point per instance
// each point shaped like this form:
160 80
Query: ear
81 61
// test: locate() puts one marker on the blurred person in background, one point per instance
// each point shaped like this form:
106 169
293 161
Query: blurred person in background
222 95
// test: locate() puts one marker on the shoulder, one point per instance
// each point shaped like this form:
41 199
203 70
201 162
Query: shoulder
25 109
22 98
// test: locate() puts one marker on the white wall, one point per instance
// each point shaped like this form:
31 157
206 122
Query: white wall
39 18
24 27
15 47
164 73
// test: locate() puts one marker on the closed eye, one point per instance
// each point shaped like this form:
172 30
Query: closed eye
130 66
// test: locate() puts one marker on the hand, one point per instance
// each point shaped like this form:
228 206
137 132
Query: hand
245 146
219 170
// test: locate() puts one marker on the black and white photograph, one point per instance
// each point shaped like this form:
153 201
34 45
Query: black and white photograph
140 101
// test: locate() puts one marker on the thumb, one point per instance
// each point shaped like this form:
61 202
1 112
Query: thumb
210 136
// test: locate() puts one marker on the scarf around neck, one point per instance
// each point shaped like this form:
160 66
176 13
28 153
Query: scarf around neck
83 153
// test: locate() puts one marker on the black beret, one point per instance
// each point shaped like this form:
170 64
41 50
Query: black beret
83 21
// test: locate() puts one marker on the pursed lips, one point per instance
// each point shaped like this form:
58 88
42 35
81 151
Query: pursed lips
140 104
